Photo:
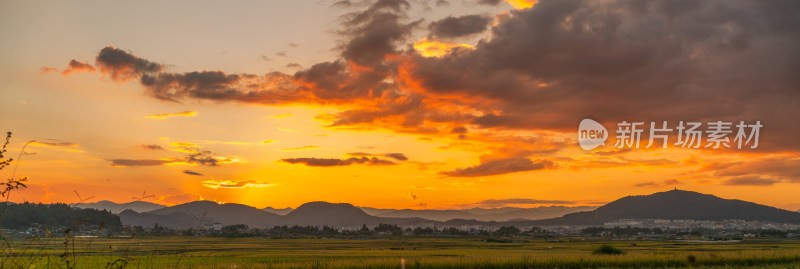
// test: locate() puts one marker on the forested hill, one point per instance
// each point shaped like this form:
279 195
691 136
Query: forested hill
50 216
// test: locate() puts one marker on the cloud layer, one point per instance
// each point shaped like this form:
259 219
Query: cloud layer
501 166
323 162
543 68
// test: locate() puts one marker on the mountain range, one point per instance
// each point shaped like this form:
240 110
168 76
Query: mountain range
137 206
674 204
279 211
481 214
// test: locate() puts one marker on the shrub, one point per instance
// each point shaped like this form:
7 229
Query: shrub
607 250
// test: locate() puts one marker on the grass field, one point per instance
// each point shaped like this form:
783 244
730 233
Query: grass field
203 252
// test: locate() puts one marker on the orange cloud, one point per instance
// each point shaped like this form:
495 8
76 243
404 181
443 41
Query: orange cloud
501 166
195 156
328 162
234 184
179 198
53 143
184 147
46 69
142 162
280 116
167 115
300 148
76 66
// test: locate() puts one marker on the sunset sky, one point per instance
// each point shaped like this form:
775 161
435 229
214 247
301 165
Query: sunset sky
394 103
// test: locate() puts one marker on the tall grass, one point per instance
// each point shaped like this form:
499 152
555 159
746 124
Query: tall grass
198 252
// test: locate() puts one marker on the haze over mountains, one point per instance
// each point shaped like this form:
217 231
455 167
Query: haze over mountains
279 211
138 206
675 204
481 214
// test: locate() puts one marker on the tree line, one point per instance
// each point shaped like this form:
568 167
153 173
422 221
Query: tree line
21 216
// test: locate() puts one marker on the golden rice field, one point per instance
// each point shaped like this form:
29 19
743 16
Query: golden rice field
204 252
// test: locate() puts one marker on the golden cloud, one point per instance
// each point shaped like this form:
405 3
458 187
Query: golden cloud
234 184
300 148
521 4
433 48
167 115
53 143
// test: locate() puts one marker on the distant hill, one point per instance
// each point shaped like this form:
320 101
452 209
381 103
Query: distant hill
486 211
137 206
175 220
431 214
536 213
224 213
278 211
55 217
314 213
323 213
676 204
481 214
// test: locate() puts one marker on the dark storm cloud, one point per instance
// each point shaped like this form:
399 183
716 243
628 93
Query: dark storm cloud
375 32
203 85
370 36
500 166
333 81
337 162
658 60
453 27
121 65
